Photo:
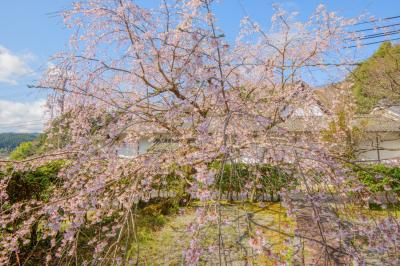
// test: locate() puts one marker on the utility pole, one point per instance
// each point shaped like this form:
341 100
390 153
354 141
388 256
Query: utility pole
377 148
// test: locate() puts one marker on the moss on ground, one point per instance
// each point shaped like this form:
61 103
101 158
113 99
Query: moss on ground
165 243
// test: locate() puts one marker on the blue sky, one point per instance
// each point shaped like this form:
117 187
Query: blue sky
31 31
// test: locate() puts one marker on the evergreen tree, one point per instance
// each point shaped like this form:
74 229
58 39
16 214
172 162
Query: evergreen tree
9 141
377 79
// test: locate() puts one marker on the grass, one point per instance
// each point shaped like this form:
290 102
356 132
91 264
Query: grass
163 238
374 212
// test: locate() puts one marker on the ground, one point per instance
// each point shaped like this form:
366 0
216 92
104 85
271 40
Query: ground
166 245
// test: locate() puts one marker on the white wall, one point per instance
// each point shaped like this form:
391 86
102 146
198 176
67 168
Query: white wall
389 147
312 110
388 143
133 150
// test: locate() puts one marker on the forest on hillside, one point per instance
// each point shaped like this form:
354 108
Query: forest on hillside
9 141
377 80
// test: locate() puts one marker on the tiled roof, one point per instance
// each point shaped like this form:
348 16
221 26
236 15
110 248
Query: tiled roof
368 123
305 124
372 123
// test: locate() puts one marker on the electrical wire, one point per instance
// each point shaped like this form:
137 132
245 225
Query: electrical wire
9 127
374 36
22 122
376 28
374 20
371 43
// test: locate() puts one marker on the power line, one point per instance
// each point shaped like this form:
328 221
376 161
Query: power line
381 33
20 122
21 125
10 129
376 28
371 43
374 36
374 20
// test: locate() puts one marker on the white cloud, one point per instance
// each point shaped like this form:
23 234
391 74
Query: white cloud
22 117
13 66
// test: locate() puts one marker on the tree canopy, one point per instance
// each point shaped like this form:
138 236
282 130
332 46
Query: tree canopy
377 79
134 72
9 141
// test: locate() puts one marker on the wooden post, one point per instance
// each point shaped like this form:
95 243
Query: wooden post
377 148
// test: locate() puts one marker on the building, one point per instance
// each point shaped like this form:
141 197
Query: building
379 141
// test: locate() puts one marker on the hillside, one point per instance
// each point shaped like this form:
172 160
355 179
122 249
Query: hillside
376 80
9 141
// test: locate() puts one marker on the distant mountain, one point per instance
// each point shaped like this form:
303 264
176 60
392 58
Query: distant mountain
9 141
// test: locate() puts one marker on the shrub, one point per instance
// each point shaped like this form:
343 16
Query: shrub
33 184
379 176
29 148
234 177
24 150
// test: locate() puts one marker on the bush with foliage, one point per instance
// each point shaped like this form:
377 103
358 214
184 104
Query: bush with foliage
380 178
377 78
29 148
269 179
27 185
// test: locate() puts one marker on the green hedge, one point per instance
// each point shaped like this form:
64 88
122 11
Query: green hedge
379 176
234 177
25 185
